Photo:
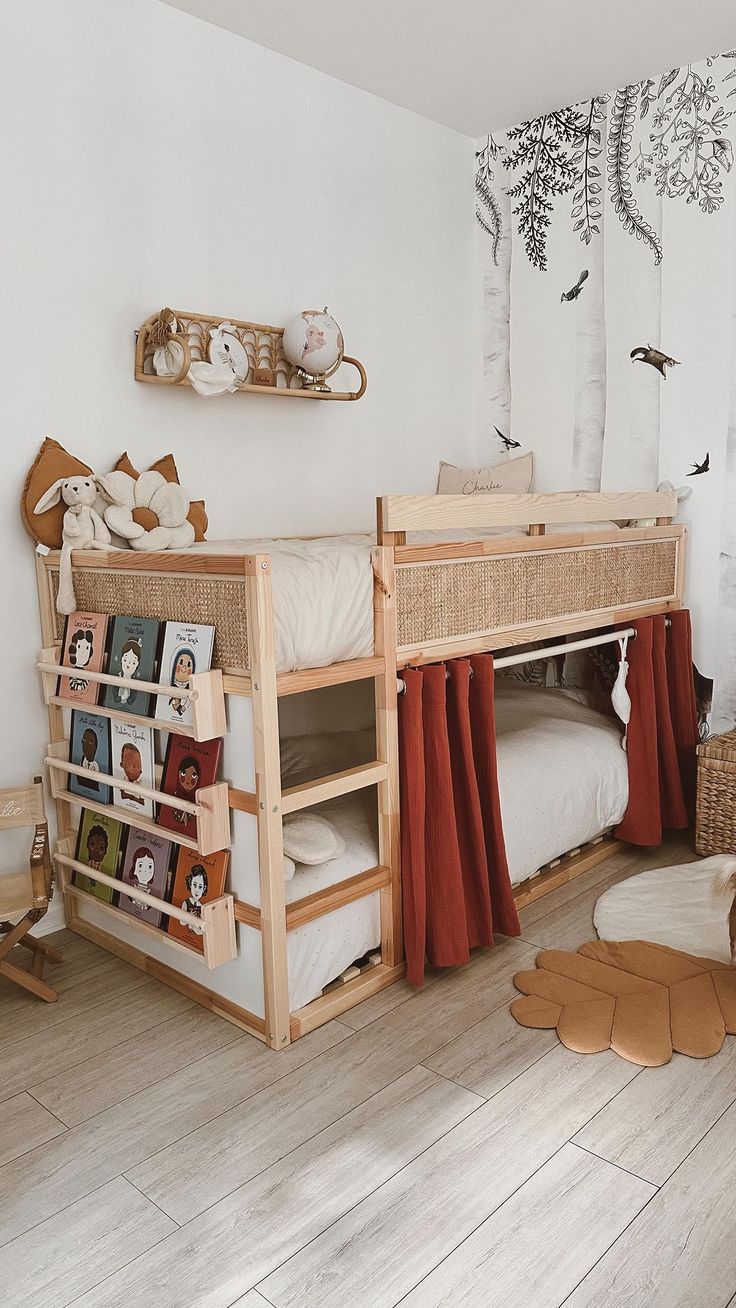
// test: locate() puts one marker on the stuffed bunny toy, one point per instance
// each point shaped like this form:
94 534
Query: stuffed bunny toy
83 528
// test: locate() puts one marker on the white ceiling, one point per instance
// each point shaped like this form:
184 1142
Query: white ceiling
475 65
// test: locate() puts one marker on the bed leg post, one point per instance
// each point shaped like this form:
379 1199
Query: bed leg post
387 750
268 794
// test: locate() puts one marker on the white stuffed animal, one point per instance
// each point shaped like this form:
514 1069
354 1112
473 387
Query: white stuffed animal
83 528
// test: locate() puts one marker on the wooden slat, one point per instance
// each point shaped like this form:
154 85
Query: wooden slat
387 749
156 562
300 911
244 801
337 783
571 866
433 651
338 1001
268 788
515 544
335 674
248 914
480 512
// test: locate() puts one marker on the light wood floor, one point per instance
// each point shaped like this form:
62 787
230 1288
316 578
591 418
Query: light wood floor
424 1150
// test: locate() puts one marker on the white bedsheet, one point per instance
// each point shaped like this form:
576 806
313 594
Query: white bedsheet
562 778
562 774
320 950
323 591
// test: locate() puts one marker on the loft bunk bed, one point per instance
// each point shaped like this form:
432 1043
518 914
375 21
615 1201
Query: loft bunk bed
525 569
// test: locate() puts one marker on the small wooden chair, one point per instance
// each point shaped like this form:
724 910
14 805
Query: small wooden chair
27 893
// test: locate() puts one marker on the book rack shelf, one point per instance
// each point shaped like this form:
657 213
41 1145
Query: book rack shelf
205 694
216 924
211 808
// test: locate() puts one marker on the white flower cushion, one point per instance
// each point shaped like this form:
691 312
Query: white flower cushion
165 501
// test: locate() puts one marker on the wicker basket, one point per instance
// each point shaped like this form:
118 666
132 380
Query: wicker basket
715 818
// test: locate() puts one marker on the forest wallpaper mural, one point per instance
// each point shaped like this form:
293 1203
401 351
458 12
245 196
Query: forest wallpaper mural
607 243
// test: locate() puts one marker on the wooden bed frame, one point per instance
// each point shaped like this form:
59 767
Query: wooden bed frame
431 602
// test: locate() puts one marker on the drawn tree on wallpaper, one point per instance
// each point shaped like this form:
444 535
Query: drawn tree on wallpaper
620 131
587 201
542 148
590 313
493 215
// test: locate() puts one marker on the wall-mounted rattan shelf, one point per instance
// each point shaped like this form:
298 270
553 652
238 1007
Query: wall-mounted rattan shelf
262 343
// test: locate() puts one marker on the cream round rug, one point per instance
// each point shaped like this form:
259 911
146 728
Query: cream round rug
683 907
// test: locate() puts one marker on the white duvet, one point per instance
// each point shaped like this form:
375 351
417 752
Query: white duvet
323 591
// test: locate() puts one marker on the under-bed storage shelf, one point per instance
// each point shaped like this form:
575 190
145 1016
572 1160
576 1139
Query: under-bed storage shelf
211 807
205 694
216 924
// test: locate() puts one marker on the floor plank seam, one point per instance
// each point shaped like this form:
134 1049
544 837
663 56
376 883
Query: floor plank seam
611 1246
602 1158
487 1218
21 1235
410 1163
50 1111
237 1035
58 1010
149 1200
465 1031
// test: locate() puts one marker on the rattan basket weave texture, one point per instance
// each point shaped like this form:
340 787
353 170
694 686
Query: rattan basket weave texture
715 817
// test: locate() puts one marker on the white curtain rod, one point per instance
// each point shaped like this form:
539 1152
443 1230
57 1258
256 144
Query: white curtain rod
589 642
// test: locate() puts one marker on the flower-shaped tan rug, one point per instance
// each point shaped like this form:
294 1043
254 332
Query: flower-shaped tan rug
640 999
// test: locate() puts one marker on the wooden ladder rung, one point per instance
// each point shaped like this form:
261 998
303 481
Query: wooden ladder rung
337 783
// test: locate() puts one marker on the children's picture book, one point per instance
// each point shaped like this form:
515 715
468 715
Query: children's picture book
197 880
145 866
188 766
132 643
89 748
186 648
99 840
83 647
132 760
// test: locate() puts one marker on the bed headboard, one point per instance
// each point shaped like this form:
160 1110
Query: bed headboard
401 513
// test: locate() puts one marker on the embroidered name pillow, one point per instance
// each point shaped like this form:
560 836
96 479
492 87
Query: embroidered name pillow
513 477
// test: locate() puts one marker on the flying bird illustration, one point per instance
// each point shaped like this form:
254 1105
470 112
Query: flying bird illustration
700 467
575 290
658 360
507 441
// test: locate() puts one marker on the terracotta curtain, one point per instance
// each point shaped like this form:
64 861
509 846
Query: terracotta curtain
456 887
662 732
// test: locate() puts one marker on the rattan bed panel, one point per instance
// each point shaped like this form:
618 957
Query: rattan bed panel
220 601
449 600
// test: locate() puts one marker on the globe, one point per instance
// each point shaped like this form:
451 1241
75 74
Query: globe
314 344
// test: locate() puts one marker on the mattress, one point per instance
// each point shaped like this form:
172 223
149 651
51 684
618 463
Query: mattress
320 950
323 590
563 779
562 774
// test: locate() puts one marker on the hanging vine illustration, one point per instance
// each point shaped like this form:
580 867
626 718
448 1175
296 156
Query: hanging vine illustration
487 212
586 202
620 130
688 145
541 146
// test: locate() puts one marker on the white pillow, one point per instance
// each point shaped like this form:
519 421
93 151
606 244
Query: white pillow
513 477
311 839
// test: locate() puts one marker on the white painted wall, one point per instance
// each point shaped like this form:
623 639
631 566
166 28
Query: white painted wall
150 158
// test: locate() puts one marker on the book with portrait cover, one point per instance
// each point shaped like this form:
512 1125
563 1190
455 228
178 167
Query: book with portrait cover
83 647
186 648
132 760
188 766
146 866
89 748
99 839
132 643
197 880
